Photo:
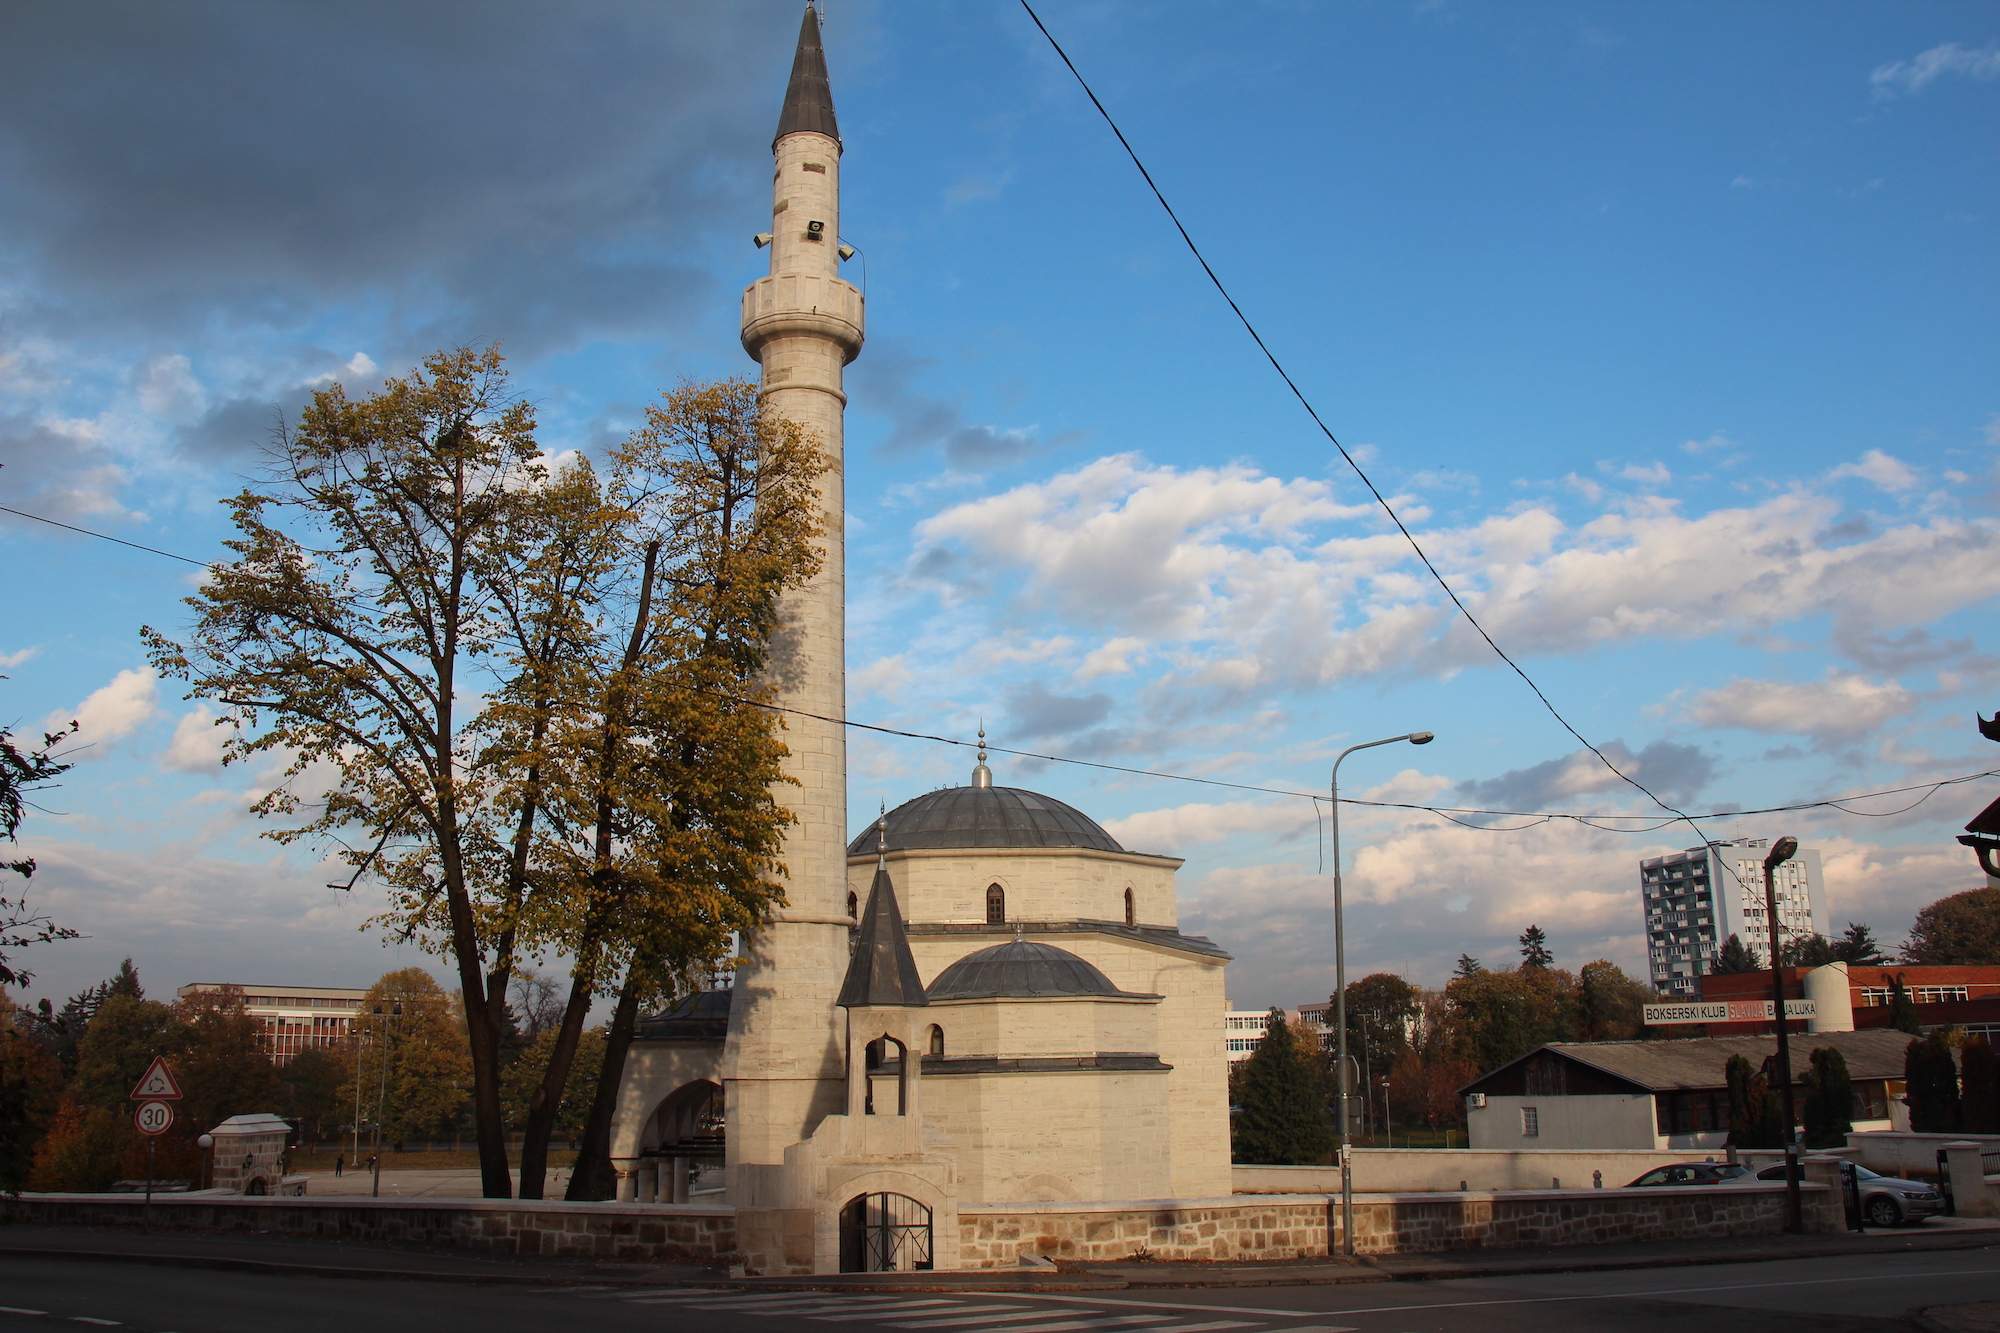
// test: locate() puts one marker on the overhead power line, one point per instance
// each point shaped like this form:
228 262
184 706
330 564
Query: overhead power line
1324 429
1455 813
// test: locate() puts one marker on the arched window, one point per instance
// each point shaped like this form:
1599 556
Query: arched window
996 905
937 1041
854 904
1131 911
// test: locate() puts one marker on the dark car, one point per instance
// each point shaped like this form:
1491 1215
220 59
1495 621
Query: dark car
1692 1173
1886 1201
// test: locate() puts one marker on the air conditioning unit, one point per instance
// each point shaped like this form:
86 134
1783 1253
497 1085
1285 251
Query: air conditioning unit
1475 1101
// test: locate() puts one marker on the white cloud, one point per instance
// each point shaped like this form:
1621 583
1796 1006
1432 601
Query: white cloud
1171 830
358 366
196 746
168 388
114 711
1113 658
1917 73
1878 469
1714 442
1837 707
1647 474
1246 581
20 656
885 677
1585 487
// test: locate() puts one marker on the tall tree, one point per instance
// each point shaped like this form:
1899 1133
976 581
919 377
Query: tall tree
410 1059
1468 966
1829 1106
221 1063
1857 947
23 771
1535 949
31 1080
1902 1009
1284 1120
1734 957
1507 1014
1979 1097
1610 1005
1381 1008
1931 1076
309 1092
347 637
1810 950
1963 928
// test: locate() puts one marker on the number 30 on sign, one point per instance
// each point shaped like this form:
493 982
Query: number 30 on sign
154 1117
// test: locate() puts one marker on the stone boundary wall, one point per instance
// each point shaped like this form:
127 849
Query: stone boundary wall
494 1227
1280 1226
1906 1154
1409 1170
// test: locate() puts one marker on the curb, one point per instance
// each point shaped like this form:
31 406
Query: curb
277 1268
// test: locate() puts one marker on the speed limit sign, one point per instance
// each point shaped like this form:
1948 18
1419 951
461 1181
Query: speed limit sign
154 1117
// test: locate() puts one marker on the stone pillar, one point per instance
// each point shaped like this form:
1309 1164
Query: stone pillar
677 1181
1822 1210
628 1187
1969 1195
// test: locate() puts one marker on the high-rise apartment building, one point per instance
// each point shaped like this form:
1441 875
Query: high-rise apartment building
1692 903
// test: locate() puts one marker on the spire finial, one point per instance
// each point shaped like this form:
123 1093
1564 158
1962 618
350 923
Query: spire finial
982 776
1018 930
882 835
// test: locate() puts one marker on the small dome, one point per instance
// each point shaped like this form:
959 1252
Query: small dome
981 816
1020 968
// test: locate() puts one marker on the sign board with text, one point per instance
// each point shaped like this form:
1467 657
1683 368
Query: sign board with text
153 1117
1724 1011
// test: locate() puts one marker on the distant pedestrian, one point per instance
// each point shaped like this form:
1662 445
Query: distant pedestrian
339 1160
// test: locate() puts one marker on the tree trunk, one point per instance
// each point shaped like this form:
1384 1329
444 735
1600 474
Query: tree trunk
593 1178
546 1100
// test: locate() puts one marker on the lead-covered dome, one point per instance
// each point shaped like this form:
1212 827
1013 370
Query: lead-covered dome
1019 968
983 816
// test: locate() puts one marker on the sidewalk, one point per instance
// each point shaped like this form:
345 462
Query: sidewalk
300 1256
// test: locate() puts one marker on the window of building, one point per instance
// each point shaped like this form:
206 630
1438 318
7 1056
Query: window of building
996 905
1531 1122
1874 997
852 904
937 1041
1940 994
1131 911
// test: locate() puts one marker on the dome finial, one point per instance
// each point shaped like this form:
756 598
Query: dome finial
882 835
1018 929
982 776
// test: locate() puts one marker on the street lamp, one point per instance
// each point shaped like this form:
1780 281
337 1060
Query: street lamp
1782 851
1340 984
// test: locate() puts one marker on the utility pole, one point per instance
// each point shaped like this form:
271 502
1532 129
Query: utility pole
1782 851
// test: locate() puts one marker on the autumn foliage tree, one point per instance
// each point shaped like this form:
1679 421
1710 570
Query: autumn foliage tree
1961 928
526 702
1283 1118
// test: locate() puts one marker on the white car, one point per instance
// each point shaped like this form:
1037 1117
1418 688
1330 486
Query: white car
1886 1201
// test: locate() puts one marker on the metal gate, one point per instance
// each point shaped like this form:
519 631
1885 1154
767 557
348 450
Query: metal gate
884 1233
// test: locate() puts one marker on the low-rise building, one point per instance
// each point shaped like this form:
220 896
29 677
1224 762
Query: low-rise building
1945 995
292 1018
1663 1094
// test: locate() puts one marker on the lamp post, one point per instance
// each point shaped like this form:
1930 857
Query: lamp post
1782 851
1340 984
382 1088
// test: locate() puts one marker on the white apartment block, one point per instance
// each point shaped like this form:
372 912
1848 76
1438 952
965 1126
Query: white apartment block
1692 904
293 1018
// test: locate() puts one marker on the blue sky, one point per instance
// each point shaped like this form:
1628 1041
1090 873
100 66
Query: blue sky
1668 331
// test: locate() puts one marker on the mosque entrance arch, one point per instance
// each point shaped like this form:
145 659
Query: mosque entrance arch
689 1123
884 1233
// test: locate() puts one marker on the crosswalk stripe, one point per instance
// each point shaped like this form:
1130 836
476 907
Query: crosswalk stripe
1319 1328
642 1293
896 1306
1214 1327
965 1316
962 1314
1102 1321
796 1305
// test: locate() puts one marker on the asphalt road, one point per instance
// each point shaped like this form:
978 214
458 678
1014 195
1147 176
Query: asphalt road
1871 1293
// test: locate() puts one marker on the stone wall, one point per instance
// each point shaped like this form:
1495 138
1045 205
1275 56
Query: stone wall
1271 1226
685 1234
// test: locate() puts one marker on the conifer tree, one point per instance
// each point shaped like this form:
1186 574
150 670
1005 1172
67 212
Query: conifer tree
1829 1107
1734 957
1979 1099
1932 1078
1535 949
1903 1010
1284 1118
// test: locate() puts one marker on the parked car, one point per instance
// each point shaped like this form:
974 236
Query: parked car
1692 1173
1886 1201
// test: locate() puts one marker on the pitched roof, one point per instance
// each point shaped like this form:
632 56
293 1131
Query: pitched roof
881 970
1700 1062
809 96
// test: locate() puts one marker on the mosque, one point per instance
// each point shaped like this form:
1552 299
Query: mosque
983 998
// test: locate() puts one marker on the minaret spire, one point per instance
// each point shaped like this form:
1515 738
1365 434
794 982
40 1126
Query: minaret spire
809 96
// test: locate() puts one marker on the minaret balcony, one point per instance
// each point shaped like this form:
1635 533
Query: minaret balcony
802 304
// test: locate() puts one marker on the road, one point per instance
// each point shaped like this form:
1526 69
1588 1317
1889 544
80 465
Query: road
1872 1293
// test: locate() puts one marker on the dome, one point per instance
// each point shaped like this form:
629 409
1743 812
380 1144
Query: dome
983 816
1019 968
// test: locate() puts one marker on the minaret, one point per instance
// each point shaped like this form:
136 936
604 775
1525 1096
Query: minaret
784 1065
